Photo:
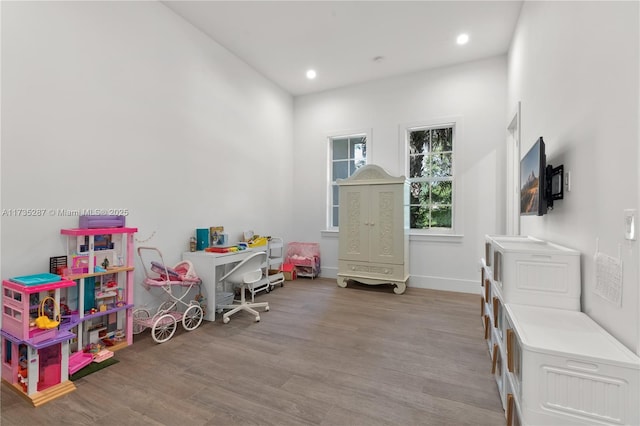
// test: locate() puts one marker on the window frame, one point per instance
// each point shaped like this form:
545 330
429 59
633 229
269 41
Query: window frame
455 124
330 182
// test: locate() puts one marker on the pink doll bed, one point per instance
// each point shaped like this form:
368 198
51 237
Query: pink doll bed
305 257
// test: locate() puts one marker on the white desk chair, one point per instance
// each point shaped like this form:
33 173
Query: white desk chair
247 272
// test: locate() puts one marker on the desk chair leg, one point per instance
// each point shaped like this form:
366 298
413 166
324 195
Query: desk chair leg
244 306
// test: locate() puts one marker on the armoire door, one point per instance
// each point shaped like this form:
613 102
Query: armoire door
386 224
354 223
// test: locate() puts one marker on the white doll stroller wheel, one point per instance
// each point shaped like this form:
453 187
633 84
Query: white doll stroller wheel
163 328
192 317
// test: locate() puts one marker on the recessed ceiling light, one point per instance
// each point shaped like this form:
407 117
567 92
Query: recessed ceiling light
462 39
311 74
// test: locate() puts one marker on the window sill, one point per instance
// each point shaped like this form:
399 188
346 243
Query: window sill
437 238
329 233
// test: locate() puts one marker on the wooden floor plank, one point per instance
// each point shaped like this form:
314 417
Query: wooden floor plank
322 355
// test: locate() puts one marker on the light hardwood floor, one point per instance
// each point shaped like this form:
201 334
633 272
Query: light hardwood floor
322 355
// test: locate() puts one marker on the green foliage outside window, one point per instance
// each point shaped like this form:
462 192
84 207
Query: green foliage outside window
431 177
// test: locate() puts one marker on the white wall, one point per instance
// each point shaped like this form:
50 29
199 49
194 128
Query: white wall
125 105
474 91
574 67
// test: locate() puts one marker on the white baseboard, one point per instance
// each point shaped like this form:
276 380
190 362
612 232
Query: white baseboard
424 281
445 284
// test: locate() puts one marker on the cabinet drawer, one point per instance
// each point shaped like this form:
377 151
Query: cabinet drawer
534 272
566 369
366 269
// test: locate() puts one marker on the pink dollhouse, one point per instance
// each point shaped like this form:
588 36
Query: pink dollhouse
34 361
94 295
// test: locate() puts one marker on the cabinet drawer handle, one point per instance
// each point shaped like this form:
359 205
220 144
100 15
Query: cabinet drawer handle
496 305
494 360
510 350
486 327
510 407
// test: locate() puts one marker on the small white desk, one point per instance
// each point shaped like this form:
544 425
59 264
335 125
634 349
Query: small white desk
210 267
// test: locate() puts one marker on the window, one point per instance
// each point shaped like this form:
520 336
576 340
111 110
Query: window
347 153
431 174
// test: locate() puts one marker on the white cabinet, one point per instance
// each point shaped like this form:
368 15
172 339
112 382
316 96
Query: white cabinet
558 366
567 370
374 224
533 272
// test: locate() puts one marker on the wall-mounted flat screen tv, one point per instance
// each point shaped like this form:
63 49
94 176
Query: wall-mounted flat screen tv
532 181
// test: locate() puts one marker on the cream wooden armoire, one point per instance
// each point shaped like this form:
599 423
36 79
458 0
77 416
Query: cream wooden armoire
374 226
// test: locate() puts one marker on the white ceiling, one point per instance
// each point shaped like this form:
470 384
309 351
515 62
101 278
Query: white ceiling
340 39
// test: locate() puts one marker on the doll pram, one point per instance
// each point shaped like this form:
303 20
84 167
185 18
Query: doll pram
175 283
